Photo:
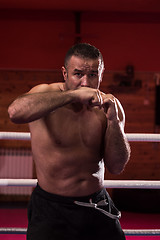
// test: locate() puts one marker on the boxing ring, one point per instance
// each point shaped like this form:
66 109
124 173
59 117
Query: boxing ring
134 184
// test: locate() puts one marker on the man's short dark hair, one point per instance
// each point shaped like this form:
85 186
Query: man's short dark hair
83 50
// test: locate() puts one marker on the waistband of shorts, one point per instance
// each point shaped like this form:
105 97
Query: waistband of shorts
65 199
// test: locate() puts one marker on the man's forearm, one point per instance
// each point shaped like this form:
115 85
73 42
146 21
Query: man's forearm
117 149
30 107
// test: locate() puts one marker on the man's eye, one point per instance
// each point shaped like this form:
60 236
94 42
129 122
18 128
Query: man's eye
93 75
78 74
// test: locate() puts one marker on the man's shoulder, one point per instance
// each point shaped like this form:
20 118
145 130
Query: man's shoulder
44 87
59 86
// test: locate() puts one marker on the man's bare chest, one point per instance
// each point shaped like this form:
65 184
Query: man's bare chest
83 128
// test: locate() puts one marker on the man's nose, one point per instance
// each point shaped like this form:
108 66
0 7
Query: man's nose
84 81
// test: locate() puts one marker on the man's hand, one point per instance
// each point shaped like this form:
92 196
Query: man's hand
94 97
89 96
112 108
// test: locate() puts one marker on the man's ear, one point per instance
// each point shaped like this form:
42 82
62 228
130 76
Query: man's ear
102 74
64 72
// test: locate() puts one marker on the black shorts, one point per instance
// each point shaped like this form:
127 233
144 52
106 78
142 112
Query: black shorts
54 217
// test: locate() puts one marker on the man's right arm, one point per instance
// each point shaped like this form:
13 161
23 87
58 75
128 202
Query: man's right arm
44 99
38 102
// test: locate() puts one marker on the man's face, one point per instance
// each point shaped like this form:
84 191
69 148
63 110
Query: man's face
82 72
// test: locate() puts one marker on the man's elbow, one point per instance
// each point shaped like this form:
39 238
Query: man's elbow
116 169
13 114
118 166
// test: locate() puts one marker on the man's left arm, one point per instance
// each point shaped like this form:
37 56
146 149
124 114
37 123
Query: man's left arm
116 146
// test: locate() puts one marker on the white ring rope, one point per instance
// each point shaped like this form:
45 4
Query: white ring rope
15 136
143 137
142 232
138 184
132 137
6 182
141 184
13 230
128 232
